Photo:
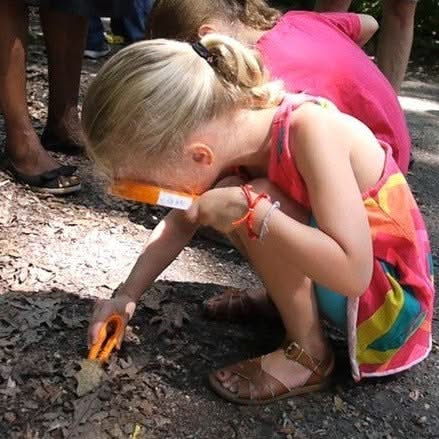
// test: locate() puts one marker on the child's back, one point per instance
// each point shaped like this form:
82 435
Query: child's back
317 54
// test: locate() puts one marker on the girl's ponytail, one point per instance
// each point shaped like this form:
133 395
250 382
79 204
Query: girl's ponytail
241 72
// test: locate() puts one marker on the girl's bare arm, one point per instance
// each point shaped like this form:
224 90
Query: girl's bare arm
339 253
165 243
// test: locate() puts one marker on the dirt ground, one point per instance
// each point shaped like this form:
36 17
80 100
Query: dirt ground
58 254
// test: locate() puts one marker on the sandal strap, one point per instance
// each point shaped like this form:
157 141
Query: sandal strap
62 171
254 378
294 352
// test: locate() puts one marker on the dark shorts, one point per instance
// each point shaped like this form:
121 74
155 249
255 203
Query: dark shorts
100 8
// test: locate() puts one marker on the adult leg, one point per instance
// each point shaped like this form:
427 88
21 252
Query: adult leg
133 25
65 36
332 5
23 146
395 39
293 295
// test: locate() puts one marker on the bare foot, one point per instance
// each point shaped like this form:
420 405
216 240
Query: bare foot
240 305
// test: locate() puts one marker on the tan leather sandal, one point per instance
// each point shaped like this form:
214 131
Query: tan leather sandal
270 389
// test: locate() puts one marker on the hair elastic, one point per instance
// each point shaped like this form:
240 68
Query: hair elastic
203 51
249 217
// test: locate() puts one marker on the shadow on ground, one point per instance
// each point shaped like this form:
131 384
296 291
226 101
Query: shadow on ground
158 379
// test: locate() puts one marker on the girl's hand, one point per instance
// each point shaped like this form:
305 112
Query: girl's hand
122 304
219 208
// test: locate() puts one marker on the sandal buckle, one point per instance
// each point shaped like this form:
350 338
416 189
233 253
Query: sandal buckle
293 351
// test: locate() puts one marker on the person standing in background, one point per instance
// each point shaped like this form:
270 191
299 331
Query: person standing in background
126 29
64 24
395 36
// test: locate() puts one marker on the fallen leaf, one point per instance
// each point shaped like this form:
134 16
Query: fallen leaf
125 364
339 403
172 317
414 395
83 409
138 429
10 417
71 323
153 298
44 275
287 430
89 377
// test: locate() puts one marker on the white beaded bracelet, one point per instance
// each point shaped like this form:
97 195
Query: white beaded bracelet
266 220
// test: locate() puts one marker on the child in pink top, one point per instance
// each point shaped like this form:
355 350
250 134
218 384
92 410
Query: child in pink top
184 117
318 54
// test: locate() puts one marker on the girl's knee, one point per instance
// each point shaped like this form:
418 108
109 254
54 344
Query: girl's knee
260 185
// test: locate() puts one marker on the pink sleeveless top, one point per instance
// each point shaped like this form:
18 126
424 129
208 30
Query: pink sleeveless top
389 326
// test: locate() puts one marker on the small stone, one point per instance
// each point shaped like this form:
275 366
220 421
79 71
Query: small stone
128 428
427 406
421 421
67 407
10 417
297 415
105 394
146 408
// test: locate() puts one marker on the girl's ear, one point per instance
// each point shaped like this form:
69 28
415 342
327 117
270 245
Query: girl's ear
205 29
201 154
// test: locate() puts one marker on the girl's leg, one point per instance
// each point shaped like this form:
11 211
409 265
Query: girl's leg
23 146
293 296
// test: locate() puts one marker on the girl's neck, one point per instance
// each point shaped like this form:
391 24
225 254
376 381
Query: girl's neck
249 140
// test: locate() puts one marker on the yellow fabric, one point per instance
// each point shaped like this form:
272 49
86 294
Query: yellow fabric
382 320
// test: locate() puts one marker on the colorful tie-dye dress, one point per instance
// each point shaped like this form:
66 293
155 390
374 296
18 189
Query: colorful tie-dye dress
389 326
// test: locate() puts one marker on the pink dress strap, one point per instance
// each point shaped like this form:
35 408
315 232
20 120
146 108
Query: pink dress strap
282 169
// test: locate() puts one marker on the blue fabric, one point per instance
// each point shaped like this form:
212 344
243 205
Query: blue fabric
95 36
408 321
132 26
332 306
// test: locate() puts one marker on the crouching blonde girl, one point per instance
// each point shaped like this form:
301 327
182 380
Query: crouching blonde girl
325 217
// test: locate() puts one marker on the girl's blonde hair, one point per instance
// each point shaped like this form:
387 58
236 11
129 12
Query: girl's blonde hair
148 98
181 19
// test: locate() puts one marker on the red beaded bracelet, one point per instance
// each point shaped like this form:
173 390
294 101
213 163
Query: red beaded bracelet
249 217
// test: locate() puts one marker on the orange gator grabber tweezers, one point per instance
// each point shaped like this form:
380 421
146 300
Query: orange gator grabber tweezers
108 337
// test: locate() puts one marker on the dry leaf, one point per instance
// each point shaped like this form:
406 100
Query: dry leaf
339 403
153 298
172 318
89 377
414 395
137 432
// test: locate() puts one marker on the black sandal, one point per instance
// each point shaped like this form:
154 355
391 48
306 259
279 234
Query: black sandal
51 142
59 181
